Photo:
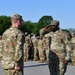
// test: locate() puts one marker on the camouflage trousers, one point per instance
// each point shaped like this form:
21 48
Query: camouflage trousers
41 55
0 56
73 58
47 54
35 54
26 54
13 72
57 68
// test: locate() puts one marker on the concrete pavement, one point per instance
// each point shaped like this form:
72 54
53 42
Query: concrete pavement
36 68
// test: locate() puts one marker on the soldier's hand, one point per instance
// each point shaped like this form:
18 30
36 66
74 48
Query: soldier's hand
17 67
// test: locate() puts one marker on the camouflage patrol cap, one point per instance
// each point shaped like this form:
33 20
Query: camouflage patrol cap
54 22
16 16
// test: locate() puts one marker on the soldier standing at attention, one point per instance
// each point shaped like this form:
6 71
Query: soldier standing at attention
60 49
41 49
27 46
73 54
12 51
47 49
35 44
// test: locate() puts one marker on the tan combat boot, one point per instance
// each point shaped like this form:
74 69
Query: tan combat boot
73 63
41 60
35 59
25 59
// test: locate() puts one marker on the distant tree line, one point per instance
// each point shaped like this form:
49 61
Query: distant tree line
28 26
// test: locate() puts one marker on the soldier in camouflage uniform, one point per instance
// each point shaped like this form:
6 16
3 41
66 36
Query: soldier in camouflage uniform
41 49
31 48
47 49
27 46
73 54
60 48
12 47
0 47
35 44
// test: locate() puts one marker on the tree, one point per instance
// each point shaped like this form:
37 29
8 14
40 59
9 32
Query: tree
44 21
5 23
72 30
29 27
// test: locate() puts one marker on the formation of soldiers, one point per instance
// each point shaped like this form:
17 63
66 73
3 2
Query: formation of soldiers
55 47
36 48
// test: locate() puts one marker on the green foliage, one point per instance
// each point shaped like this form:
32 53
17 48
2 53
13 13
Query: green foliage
44 21
5 23
66 30
28 26
72 30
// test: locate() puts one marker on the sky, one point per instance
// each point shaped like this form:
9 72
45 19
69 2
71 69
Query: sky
33 10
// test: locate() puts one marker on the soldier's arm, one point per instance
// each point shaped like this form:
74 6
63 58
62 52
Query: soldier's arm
19 47
43 30
69 47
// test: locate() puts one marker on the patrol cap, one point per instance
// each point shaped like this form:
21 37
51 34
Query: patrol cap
54 22
16 16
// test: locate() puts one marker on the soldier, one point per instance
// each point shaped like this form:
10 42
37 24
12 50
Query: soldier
73 54
0 47
41 49
12 47
35 44
31 48
60 48
27 46
47 49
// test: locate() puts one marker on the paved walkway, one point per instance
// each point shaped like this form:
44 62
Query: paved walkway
36 68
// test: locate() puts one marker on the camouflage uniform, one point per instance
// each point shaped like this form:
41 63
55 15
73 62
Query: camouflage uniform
32 47
12 51
47 49
73 54
60 48
0 47
41 49
35 43
27 47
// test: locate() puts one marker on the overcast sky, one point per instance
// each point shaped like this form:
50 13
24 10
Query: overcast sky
33 10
